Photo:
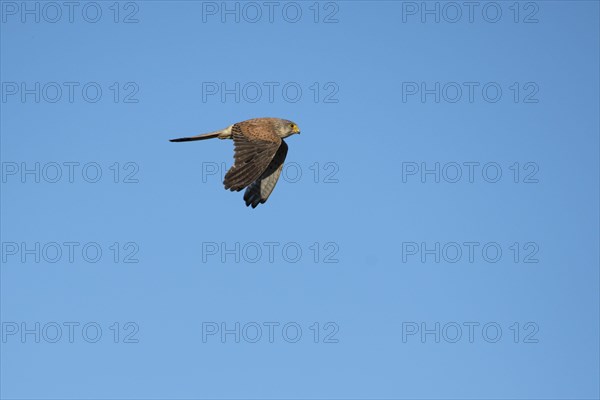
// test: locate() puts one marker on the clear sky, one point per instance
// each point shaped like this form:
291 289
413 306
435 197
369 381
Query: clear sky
434 233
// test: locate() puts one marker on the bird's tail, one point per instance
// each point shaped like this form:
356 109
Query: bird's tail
222 134
199 137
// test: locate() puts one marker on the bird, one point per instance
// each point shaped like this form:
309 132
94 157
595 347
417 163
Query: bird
259 154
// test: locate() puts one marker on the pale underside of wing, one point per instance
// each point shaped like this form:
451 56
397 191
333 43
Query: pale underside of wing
253 154
260 190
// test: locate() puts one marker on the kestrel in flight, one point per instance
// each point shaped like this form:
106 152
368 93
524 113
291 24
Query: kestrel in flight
259 153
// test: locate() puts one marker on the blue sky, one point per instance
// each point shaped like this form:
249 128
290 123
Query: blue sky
434 233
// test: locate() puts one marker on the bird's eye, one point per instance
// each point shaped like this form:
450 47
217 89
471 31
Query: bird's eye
292 126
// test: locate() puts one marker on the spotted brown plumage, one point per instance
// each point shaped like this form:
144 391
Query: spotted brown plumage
254 149
259 154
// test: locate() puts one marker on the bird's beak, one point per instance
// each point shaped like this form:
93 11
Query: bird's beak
296 130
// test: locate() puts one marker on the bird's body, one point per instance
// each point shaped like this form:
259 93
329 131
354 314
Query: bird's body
259 155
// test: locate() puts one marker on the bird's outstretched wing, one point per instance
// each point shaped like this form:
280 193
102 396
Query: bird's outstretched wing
260 190
255 147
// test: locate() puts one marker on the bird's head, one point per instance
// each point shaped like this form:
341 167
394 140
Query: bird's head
286 128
